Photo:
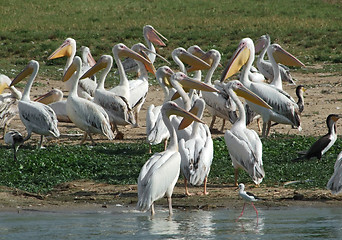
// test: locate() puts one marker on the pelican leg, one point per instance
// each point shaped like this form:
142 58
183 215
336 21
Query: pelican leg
119 135
84 138
268 128
152 210
169 200
165 144
92 140
28 136
223 123
136 124
149 148
241 211
213 118
236 174
14 152
186 187
41 142
259 125
205 186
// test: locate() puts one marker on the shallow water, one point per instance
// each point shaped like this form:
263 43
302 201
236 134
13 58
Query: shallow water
123 223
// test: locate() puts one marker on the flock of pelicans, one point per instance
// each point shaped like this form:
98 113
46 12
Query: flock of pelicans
96 110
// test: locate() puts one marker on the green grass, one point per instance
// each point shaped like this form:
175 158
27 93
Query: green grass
310 29
40 170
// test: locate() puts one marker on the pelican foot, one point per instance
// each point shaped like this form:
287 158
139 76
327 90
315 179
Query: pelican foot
119 136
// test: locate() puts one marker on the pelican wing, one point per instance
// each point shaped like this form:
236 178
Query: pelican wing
245 151
39 117
335 181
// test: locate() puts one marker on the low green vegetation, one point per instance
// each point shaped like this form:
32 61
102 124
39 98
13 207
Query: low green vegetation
120 163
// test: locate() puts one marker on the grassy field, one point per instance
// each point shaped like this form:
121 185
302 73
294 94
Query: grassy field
310 29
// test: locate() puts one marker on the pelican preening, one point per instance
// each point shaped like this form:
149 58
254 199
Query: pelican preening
284 109
37 117
160 173
244 145
86 115
86 87
323 144
8 102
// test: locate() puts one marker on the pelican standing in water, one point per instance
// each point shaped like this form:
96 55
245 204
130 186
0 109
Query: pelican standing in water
37 117
86 115
85 87
160 173
284 110
335 182
244 145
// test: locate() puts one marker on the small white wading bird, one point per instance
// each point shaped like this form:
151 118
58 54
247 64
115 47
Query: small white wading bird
284 109
248 197
335 181
244 145
160 173
14 139
37 117
86 115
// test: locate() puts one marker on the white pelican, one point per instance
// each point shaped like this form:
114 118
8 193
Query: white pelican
8 102
244 145
15 140
151 37
218 103
300 89
273 52
86 87
156 130
323 144
180 55
247 196
87 60
116 106
264 66
160 173
335 182
37 117
54 99
197 152
284 110
86 115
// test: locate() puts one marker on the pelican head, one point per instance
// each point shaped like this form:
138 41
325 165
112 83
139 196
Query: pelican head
262 42
99 65
121 50
187 82
172 108
208 57
54 95
153 35
86 56
244 92
282 56
241 56
66 49
195 62
33 65
165 73
76 63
